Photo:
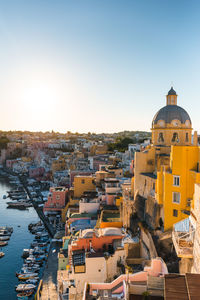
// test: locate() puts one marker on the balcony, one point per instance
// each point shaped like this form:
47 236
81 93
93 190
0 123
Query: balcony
183 237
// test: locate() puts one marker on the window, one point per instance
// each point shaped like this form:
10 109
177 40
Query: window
176 181
83 181
105 294
154 186
175 137
186 137
57 197
160 138
175 213
176 197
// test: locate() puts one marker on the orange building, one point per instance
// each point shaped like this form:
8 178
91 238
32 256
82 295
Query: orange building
98 240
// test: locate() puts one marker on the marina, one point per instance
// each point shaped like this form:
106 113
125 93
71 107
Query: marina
20 239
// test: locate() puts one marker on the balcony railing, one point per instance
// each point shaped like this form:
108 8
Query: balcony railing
183 243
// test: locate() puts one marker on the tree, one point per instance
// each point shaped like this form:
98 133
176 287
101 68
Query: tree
3 142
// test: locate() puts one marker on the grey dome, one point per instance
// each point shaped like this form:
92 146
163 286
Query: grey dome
171 91
171 112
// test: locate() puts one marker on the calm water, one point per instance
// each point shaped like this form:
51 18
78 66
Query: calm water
20 239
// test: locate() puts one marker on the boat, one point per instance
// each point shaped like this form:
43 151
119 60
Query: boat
27 276
25 253
10 229
28 270
2 244
18 204
5 232
25 287
2 254
4 238
33 281
24 295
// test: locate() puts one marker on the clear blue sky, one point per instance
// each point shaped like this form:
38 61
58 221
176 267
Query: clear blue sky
99 66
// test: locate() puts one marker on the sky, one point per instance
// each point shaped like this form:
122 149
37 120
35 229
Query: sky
96 65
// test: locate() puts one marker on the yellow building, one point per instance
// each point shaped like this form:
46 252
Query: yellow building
164 174
83 184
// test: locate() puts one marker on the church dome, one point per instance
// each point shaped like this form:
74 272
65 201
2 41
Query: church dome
171 112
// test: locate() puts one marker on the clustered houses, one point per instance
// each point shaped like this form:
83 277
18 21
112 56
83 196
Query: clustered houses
110 204
98 254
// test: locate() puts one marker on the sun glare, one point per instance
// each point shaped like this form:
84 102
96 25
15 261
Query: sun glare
39 99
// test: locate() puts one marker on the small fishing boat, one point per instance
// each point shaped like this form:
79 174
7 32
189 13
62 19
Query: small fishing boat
25 287
27 276
10 229
5 232
2 254
4 238
33 281
2 244
24 295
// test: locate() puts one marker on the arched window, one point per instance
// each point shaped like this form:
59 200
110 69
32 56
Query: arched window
186 137
175 137
160 137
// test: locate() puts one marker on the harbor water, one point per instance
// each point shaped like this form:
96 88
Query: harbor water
20 239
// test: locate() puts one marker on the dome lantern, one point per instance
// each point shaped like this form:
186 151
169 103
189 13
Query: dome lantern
171 97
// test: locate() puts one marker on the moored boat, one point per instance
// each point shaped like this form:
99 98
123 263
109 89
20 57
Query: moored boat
33 281
27 276
2 254
2 244
5 232
4 238
10 229
24 295
25 287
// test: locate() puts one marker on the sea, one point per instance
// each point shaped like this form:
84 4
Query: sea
20 239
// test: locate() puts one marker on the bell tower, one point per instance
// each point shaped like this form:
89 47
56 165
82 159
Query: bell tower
171 97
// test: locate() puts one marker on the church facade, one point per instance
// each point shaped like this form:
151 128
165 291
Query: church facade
165 173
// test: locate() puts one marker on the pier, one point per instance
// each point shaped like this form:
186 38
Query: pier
38 209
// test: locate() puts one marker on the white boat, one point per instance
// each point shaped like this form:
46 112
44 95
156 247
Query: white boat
27 276
4 232
2 254
25 287
4 238
10 229
33 281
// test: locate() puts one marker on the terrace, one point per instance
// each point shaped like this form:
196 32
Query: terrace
183 237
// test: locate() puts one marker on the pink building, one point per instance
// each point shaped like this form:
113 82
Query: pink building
57 199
